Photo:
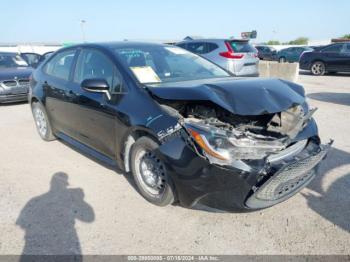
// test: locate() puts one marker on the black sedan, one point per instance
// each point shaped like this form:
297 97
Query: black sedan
186 129
266 52
328 59
14 78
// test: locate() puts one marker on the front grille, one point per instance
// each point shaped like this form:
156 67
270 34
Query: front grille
23 82
19 84
10 83
289 178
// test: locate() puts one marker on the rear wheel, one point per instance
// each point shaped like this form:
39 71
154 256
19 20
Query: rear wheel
149 173
42 122
318 68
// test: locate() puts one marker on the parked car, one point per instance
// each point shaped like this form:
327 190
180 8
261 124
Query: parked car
237 56
185 128
14 78
332 58
34 59
266 52
292 54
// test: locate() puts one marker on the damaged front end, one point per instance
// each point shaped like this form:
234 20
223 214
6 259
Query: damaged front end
251 161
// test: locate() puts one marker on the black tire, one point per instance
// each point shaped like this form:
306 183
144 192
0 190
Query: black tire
141 152
318 68
282 60
41 119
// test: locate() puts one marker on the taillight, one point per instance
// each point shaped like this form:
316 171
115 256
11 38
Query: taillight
230 53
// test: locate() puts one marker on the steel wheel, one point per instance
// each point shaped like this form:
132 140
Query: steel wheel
150 172
40 121
318 68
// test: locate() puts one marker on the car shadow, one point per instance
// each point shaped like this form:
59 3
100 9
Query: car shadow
13 104
338 74
48 221
335 98
332 203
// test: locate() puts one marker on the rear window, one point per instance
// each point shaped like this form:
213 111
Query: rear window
242 47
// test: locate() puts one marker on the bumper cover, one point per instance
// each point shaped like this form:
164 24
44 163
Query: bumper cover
9 98
231 188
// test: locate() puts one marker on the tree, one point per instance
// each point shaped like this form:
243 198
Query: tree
347 36
299 41
273 42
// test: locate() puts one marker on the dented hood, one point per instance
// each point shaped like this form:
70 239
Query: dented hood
241 96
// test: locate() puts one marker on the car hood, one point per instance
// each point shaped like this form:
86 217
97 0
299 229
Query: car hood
239 96
19 72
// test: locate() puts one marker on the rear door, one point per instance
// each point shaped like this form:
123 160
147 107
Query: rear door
56 84
345 55
333 57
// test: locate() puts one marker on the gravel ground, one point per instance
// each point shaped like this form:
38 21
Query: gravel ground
100 212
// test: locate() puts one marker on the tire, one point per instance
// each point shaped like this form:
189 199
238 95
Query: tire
282 59
318 68
149 173
42 122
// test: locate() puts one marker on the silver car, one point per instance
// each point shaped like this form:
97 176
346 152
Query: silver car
235 55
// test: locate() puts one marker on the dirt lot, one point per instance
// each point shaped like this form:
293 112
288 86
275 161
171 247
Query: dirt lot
100 213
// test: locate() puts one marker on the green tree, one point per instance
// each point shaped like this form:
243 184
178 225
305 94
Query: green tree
299 41
347 36
273 42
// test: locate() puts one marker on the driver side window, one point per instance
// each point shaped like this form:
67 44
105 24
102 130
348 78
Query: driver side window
94 64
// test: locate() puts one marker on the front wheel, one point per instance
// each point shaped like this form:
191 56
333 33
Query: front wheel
282 60
42 122
150 174
318 68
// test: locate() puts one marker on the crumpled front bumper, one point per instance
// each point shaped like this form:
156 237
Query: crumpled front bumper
232 188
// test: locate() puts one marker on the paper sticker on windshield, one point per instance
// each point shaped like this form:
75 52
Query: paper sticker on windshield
145 74
176 50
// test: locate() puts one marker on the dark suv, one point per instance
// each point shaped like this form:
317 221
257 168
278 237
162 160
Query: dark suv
328 59
184 128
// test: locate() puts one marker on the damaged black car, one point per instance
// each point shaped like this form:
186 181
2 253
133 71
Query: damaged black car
186 130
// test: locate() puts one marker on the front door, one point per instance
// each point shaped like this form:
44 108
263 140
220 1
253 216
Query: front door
96 114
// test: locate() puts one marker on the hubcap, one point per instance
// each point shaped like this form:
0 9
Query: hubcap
40 121
317 68
150 172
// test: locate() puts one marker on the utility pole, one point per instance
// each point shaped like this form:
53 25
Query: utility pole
82 27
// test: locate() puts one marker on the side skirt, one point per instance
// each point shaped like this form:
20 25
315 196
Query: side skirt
87 150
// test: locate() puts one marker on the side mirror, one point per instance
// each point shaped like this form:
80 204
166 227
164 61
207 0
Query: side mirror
97 86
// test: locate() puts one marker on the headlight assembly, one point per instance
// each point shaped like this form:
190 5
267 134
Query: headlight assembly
224 146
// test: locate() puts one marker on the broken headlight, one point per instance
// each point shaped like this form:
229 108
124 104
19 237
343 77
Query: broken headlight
221 145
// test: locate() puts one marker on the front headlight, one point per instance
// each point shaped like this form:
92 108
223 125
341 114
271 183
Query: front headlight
225 146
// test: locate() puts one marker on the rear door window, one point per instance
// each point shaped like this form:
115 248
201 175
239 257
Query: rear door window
241 47
60 65
197 48
333 49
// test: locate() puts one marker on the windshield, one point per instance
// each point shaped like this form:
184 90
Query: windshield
11 60
155 64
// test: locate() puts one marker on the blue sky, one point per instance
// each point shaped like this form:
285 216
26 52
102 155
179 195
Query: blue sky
58 20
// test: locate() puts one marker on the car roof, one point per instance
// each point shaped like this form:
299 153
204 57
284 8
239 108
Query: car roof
113 45
214 40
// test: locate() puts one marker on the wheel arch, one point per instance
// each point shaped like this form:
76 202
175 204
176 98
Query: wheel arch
130 139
